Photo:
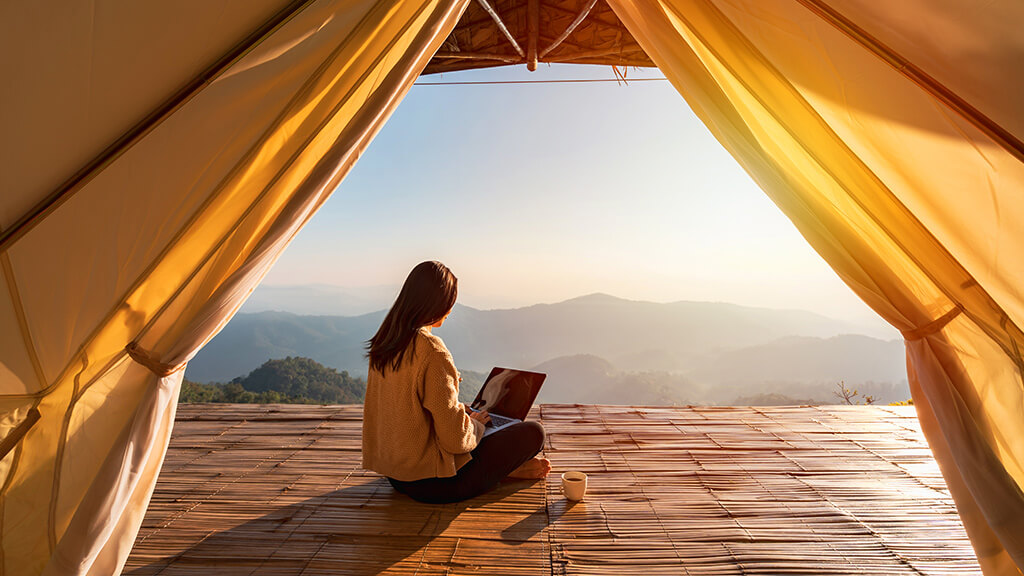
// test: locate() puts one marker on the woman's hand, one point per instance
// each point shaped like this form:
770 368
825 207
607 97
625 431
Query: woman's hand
482 416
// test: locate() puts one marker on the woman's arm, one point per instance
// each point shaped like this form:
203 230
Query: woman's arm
456 431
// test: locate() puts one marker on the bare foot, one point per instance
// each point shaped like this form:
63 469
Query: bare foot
533 468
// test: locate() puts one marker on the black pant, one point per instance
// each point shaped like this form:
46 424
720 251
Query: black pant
494 457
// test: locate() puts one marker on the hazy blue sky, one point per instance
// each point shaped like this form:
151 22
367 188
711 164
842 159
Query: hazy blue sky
543 192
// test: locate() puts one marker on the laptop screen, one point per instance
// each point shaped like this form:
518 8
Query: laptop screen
509 392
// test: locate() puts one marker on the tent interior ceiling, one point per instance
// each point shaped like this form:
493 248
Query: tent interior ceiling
596 36
159 157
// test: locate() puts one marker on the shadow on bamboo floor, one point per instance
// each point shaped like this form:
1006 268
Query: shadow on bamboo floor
367 528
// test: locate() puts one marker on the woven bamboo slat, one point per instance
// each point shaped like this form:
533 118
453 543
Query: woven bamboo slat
277 490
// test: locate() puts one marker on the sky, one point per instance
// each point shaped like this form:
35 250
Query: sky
536 193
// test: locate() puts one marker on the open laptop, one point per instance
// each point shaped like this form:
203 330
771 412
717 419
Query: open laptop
507 396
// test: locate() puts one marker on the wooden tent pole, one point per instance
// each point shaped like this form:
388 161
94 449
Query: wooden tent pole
501 26
598 54
476 56
532 27
572 27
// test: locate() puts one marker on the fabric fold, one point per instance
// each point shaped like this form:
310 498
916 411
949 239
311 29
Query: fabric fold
896 192
208 200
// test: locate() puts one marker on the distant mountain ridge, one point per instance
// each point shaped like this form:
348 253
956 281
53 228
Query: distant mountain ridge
616 329
588 379
249 340
802 359
802 369
701 347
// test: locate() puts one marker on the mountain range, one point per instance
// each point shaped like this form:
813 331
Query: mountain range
611 348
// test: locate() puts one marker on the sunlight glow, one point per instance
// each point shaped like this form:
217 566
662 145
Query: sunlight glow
540 193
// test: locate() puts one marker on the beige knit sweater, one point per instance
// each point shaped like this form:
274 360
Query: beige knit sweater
413 423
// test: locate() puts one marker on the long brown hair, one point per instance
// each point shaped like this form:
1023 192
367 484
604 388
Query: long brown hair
427 295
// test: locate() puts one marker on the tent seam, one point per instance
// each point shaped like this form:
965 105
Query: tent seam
149 269
905 67
19 312
110 365
58 460
166 109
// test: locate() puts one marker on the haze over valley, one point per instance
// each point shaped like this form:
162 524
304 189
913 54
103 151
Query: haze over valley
603 349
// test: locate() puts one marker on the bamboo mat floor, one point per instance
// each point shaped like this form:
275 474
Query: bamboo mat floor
277 490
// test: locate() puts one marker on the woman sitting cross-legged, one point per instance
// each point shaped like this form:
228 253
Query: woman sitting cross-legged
415 431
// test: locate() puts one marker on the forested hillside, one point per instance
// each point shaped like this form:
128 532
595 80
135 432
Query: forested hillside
291 380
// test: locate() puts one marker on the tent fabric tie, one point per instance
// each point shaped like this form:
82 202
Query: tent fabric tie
12 439
142 356
933 326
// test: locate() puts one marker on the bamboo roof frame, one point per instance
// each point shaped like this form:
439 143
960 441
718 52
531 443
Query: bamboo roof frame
494 32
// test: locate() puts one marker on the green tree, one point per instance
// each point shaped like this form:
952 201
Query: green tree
303 380
196 392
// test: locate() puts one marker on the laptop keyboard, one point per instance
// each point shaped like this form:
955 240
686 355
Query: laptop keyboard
497 420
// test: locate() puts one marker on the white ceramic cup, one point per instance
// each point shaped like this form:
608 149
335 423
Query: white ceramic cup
574 485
